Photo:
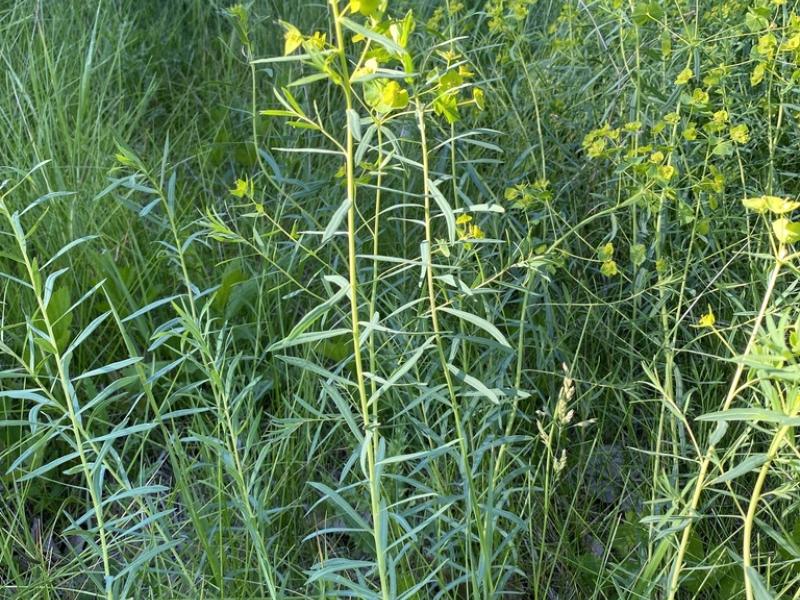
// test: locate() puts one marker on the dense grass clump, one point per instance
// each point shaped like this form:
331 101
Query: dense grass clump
400 299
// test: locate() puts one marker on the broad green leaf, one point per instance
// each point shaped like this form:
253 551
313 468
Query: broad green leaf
354 123
645 12
365 7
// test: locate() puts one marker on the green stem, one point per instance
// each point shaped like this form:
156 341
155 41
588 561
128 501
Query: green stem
437 333
370 440
733 391
749 520
66 390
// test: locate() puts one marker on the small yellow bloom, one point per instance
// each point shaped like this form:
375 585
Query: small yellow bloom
317 41
449 55
773 204
666 172
700 97
609 268
292 39
684 77
596 148
786 231
479 98
740 134
370 67
465 72
606 251
792 44
708 320
476 233
244 187
721 116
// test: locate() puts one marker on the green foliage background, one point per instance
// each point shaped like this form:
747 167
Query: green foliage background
575 364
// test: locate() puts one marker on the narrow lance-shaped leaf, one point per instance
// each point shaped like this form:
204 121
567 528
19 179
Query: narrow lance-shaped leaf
478 322
446 209
336 220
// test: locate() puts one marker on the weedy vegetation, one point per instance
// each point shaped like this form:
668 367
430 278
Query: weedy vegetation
400 299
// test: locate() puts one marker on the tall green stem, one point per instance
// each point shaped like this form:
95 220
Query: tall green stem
437 332
733 391
373 439
755 497
95 495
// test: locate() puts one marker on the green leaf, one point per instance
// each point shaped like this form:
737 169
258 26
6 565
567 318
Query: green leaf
337 565
308 338
475 384
336 220
644 12
447 211
746 466
110 368
146 556
478 322
760 589
379 39
354 123
336 498
638 254
431 453
315 313
446 105
49 466
724 148
750 414
60 316
401 371
344 410
123 432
